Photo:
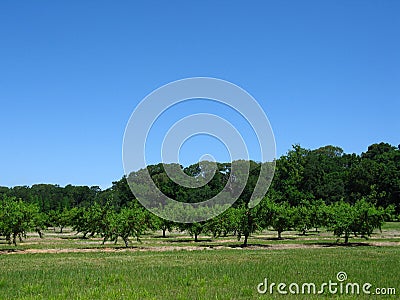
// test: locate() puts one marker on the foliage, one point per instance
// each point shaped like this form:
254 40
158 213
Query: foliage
324 187
18 217
361 218
129 222
280 216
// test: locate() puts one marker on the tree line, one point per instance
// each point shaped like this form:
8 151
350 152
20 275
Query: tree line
350 193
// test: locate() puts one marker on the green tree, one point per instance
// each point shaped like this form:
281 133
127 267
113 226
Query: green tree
16 218
39 222
193 229
324 173
341 219
129 222
222 224
361 218
246 221
318 214
164 225
367 218
302 217
279 216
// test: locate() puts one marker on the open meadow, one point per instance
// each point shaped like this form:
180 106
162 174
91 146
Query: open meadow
61 266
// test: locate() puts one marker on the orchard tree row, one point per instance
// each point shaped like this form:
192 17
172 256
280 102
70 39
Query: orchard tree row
343 219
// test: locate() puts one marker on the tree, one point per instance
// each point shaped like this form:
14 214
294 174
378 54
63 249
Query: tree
193 229
324 174
91 220
361 218
39 222
341 219
378 174
318 214
130 222
302 217
279 216
289 175
164 225
16 218
367 218
246 221
64 219
222 224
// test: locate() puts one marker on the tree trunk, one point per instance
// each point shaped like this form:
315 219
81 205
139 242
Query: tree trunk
195 237
346 238
61 229
163 232
279 235
246 237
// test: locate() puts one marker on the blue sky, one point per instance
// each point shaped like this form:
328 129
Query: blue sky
72 72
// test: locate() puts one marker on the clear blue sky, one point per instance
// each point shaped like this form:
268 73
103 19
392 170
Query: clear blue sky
71 73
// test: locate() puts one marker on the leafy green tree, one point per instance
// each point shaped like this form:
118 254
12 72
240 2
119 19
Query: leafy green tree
60 219
193 229
279 216
39 222
318 214
289 175
389 213
376 175
246 221
341 219
16 218
222 224
64 219
129 222
367 218
93 219
361 218
164 225
302 217
324 174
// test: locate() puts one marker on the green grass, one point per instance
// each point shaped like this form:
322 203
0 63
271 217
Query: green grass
391 226
215 269
54 240
207 274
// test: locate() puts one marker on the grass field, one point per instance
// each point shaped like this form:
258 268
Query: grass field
212 269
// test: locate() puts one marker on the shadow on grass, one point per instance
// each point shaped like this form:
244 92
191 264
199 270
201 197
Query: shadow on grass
249 246
10 250
236 246
119 247
80 237
312 233
275 238
341 244
185 240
